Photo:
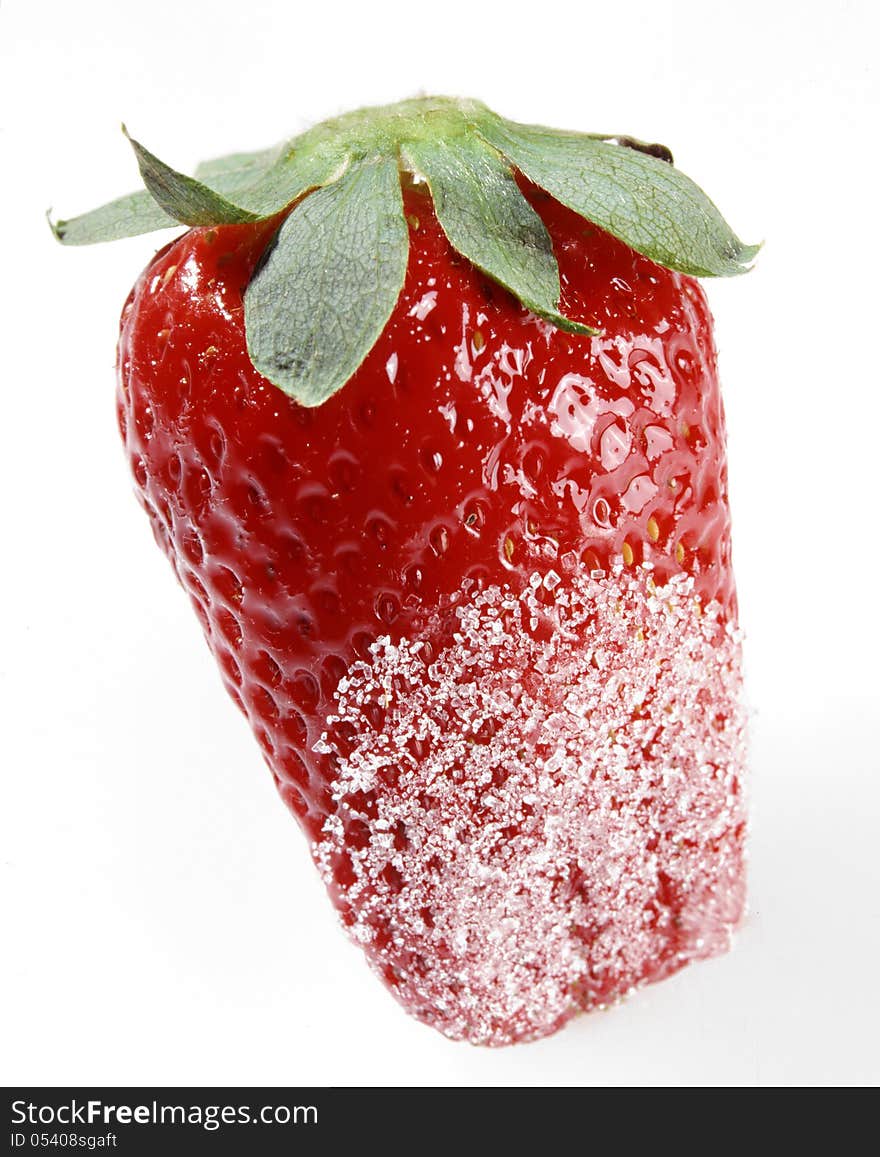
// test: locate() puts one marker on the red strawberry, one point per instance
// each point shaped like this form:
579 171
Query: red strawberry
478 603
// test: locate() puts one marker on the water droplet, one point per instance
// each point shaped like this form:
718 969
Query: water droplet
305 690
439 540
614 445
601 512
387 608
639 493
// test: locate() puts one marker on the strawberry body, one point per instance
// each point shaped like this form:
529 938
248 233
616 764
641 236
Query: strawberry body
478 608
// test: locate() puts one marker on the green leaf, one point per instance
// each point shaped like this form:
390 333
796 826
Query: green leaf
260 183
489 221
296 171
139 213
268 181
234 172
125 217
640 198
324 292
184 198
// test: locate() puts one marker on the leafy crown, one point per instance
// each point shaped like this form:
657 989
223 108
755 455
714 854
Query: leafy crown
333 272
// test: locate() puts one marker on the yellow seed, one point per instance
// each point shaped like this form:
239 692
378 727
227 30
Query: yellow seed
627 554
479 340
640 635
413 221
685 430
509 547
653 529
673 484
679 554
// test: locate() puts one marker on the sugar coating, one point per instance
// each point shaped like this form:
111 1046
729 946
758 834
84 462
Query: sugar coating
546 812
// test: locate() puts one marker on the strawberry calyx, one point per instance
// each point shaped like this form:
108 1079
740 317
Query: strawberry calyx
332 274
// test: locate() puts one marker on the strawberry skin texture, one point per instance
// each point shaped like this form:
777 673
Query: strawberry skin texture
346 561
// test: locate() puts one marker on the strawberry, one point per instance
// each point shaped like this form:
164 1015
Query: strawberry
424 411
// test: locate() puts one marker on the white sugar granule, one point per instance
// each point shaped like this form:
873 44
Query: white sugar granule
549 811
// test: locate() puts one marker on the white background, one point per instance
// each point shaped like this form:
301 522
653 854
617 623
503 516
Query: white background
162 919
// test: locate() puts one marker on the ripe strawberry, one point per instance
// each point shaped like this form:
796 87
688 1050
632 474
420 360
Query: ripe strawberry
477 604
